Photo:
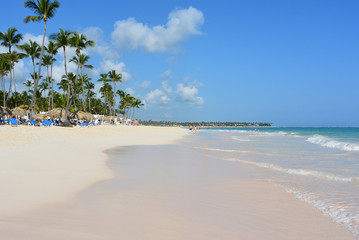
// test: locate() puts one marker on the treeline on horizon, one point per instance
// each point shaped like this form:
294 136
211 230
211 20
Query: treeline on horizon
205 124
75 89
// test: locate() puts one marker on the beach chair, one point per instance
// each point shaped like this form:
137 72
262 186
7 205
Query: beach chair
13 122
32 123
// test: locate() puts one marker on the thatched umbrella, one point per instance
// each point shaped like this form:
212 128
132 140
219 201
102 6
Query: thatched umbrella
108 118
79 115
5 111
19 112
25 107
39 117
56 113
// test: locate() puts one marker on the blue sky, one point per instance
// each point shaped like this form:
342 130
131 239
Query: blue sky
292 63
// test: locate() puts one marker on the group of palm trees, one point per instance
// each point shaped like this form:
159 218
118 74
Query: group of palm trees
77 88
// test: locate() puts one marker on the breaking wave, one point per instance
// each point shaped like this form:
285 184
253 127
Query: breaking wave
240 139
331 143
300 172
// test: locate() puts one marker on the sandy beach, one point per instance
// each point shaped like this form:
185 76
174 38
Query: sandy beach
44 165
99 183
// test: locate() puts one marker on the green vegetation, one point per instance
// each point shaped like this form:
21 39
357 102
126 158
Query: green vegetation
76 90
205 124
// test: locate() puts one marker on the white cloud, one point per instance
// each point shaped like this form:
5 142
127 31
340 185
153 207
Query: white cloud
181 24
188 94
166 87
58 69
3 49
145 84
102 48
20 72
28 36
131 91
109 65
156 97
167 74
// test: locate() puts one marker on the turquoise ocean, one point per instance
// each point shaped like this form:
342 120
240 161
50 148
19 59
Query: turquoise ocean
317 165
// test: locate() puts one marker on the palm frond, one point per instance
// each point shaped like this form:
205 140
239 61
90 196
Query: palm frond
32 19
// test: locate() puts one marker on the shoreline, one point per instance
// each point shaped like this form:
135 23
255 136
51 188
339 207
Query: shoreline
45 165
166 198
182 197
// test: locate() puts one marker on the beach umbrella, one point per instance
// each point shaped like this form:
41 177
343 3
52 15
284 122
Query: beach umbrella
39 117
19 112
108 118
25 107
5 111
56 113
79 115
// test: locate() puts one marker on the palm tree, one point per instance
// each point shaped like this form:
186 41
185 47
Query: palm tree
63 85
90 96
52 49
89 86
81 61
47 61
8 39
138 103
63 40
107 94
44 10
80 42
14 57
43 86
4 71
28 84
114 77
32 49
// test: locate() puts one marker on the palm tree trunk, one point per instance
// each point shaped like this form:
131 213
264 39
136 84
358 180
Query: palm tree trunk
48 84
83 93
68 89
89 104
33 64
10 85
114 97
77 74
52 90
13 75
33 102
3 89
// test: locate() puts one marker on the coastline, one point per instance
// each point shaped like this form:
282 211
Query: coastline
45 165
172 192
110 184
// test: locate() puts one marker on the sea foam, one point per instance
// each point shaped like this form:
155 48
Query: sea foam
300 172
338 213
331 143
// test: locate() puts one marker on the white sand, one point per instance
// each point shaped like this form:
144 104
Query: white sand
45 165
160 194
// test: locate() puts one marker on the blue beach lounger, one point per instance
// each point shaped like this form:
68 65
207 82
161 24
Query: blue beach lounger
13 122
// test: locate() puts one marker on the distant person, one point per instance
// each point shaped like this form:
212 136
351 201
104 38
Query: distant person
190 127
195 130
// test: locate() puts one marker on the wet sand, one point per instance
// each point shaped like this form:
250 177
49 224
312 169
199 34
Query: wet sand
174 192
